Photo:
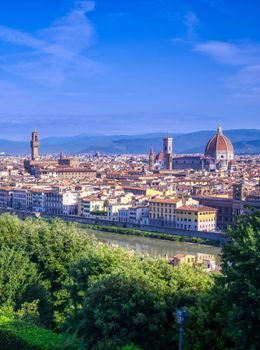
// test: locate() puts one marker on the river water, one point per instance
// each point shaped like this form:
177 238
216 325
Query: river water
151 246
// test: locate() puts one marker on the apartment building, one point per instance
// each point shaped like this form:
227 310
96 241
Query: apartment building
61 203
113 209
36 200
5 197
227 208
197 218
162 211
67 173
135 214
87 205
19 199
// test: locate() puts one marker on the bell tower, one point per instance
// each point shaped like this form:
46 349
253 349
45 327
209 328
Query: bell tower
34 145
151 159
168 152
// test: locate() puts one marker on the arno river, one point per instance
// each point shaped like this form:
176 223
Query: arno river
151 246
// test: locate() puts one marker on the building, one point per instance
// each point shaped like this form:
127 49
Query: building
159 160
162 211
61 203
114 208
205 261
135 214
228 209
123 215
181 214
36 200
19 199
5 197
66 173
63 167
34 146
180 259
67 162
201 257
89 204
151 160
252 201
185 162
167 152
142 191
196 218
218 155
219 152
33 164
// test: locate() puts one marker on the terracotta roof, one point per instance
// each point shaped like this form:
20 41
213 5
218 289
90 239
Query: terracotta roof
134 188
165 200
196 208
159 156
72 170
182 255
219 143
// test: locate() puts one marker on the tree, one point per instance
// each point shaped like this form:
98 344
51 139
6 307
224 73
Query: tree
53 247
126 307
136 303
241 267
19 279
206 320
227 316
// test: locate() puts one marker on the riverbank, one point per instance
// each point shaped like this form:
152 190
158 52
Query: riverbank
150 234
216 239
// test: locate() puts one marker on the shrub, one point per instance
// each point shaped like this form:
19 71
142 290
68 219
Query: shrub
15 334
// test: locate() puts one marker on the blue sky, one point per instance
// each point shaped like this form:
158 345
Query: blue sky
126 67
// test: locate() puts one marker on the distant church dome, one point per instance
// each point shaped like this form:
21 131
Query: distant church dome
220 148
219 143
159 157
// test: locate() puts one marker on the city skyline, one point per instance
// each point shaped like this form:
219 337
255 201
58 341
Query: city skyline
95 67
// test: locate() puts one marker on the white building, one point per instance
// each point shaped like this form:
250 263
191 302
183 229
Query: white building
19 199
89 204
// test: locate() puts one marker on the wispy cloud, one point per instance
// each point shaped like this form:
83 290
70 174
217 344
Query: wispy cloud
230 53
245 57
190 22
54 52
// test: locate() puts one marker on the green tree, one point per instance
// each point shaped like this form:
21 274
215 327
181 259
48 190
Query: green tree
53 247
241 268
20 282
206 321
124 306
95 263
17 276
136 303
227 316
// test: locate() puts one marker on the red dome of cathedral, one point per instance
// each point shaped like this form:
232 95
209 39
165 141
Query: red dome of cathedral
219 144
159 157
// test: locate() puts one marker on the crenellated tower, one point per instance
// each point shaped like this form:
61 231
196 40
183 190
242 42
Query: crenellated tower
34 145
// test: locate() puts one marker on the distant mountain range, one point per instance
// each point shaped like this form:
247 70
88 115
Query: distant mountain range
245 141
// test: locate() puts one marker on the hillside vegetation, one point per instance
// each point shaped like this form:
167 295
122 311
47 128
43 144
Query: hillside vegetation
59 284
